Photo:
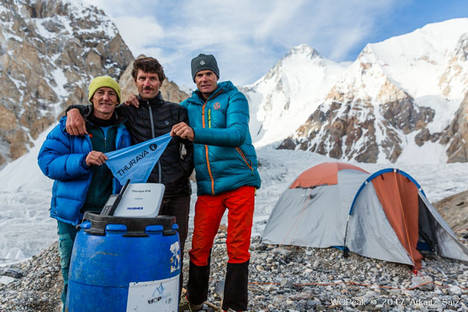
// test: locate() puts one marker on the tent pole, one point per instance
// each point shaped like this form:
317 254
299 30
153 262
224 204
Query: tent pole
345 249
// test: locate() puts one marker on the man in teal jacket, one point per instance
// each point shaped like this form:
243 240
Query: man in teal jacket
226 170
76 163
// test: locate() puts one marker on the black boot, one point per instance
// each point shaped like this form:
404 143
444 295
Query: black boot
235 287
197 286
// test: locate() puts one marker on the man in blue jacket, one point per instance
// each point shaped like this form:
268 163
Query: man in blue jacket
226 170
76 163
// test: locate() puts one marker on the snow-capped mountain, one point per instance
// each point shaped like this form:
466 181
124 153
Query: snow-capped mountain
398 99
49 51
292 89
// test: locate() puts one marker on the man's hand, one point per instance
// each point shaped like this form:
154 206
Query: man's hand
95 158
183 130
75 123
133 101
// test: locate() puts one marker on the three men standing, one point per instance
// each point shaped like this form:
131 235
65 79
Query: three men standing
227 176
225 163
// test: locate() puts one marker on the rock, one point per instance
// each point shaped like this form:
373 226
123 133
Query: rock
50 52
454 290
6 279
169 90
422 281
11 272
340 284
454 214
38 60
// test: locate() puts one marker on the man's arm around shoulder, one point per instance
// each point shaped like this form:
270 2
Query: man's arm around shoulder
75 124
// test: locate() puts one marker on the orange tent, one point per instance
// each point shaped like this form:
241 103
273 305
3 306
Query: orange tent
384 215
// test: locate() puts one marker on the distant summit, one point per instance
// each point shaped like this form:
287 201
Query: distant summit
402 98
305 50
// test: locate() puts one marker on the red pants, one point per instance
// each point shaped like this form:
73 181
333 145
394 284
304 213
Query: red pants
208 213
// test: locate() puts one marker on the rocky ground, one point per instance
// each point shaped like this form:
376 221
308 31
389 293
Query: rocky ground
454 209
287 278
34 285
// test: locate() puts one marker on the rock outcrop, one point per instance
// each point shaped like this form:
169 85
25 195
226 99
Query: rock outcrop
49 51
169 90
456 134
356 123
454 209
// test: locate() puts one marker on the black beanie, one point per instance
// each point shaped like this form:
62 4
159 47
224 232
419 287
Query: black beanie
204 62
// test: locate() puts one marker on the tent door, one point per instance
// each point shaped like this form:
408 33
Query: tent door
427 241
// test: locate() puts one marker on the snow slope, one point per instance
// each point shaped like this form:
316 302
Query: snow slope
25 194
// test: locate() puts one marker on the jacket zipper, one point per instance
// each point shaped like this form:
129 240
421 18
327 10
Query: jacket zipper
152 135
105 141
206 150
209 118
244 158
206 146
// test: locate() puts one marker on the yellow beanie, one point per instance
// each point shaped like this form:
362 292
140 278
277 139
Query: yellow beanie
103 81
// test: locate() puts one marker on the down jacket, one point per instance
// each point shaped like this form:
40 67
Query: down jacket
154 118
224 156
62 158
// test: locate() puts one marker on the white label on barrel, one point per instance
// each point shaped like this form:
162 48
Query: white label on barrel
175 258
153 296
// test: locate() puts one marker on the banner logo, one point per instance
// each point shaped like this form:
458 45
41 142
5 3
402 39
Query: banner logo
137 161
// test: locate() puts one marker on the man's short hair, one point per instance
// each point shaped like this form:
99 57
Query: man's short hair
148 65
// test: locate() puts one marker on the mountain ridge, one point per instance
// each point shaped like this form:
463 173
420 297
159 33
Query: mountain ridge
398 95
49 52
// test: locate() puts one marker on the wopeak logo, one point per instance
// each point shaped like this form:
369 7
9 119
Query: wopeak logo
139 157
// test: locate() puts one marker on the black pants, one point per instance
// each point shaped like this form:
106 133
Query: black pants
178 207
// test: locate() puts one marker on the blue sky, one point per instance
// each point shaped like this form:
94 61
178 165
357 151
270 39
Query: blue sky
249 37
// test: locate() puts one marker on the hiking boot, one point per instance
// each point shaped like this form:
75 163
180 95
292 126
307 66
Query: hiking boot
196 307
189 307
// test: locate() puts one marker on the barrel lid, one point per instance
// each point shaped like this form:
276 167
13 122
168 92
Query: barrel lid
135 226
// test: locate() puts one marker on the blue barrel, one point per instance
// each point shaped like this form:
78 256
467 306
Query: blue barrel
124 264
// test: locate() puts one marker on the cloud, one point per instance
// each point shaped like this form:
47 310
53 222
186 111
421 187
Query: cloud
247 37
140 33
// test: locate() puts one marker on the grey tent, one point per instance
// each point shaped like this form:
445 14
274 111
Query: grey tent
384 215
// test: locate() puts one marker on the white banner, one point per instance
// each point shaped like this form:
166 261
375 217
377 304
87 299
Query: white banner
161 296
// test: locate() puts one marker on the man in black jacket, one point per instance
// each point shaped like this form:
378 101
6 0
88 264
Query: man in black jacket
155 117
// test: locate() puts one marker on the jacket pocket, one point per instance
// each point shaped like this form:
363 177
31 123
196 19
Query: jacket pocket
246 161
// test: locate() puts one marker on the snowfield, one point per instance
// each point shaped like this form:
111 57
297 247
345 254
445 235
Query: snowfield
26 227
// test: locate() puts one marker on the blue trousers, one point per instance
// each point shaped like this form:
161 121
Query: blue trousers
66 233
